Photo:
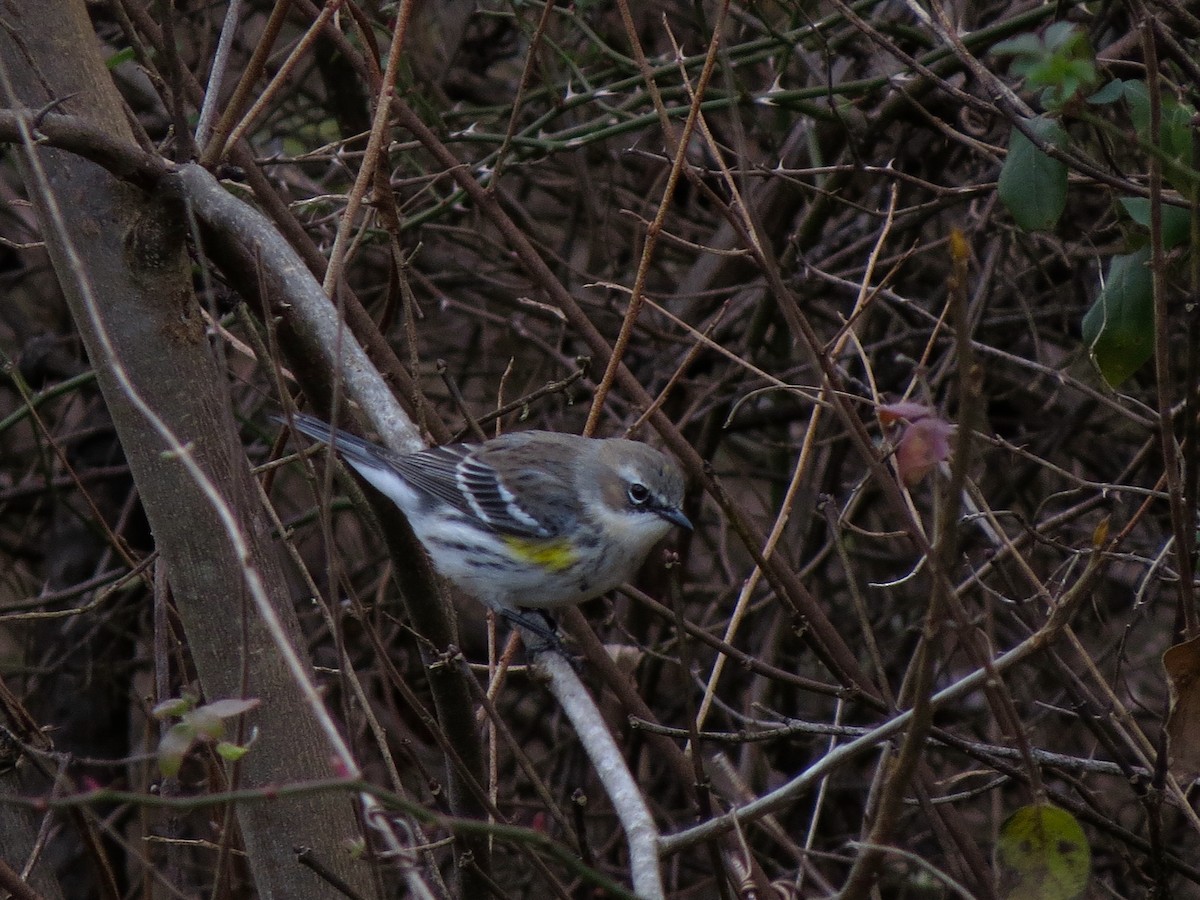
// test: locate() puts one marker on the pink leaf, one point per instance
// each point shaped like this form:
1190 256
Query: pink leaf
921 446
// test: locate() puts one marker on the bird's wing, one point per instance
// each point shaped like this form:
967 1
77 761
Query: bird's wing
464 476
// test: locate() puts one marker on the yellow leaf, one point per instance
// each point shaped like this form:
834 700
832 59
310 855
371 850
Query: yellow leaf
1042 854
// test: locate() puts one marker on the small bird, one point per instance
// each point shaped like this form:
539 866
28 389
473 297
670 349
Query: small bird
529 520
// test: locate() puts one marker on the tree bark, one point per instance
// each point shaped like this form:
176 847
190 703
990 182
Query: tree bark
142 315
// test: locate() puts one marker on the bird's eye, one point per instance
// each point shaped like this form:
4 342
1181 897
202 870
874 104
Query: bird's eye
638 494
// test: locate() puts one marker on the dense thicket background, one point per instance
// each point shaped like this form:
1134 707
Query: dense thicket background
832 226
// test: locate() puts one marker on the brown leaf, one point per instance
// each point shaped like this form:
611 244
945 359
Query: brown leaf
1182 666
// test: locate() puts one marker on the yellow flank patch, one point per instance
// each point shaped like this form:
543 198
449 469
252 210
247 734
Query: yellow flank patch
553 555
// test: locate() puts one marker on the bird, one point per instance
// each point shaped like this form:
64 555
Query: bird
529 520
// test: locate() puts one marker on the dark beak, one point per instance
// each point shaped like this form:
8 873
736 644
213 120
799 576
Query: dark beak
675 517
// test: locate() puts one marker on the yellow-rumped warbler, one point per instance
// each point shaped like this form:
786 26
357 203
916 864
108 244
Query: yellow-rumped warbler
529 520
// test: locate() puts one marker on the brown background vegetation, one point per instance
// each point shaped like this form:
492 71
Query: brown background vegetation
800 271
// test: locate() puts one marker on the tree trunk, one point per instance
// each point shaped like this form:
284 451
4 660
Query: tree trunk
119 258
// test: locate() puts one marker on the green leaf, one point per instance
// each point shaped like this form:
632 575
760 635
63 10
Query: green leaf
1021 45
1110 93
1062 36
1175 129
124 55
1119 328
173 706
1138 98
173 748
205 723
1176 224
227 709
231 752
1033 186
1059 62
1042 854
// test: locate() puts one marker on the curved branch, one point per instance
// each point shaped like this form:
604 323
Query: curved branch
121 159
